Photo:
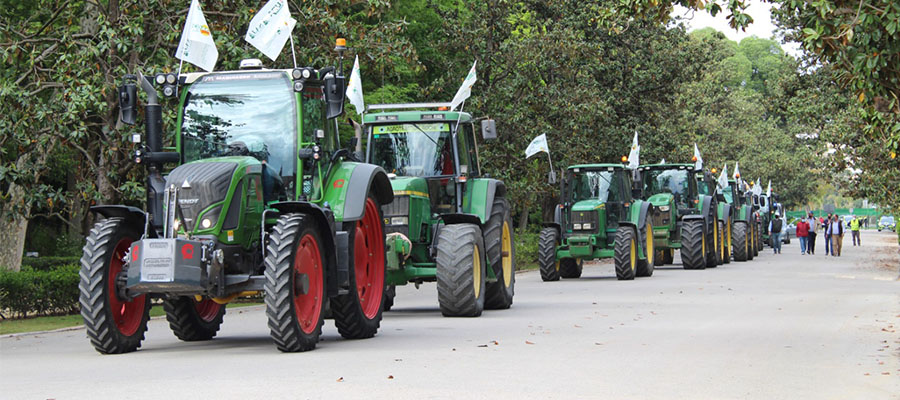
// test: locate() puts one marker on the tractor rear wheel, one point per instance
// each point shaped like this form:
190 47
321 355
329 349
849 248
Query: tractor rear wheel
357 314
645 266
500 246
712 247
626 254
739 238
659 257
114 324
295 283
570 268
751 241
547 260
461 270
693 245
720 247
389 294
192 320
727 239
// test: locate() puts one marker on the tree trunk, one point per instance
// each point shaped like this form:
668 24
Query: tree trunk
523 219
12 231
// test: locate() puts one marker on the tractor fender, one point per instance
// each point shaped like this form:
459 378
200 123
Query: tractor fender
132 215
557 215
553 225
324 220
460 218
726 211
704 214
480 195
365 177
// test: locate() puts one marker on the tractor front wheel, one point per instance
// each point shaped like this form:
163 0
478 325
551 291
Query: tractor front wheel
741 247
626 254
357 314
295 283
720 247
192 320
727 240
461 270
547 260
712 246
389 294
501 251
571 268
114 324
645 266
693 245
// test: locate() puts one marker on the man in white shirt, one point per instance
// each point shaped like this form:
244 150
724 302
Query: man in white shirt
813 227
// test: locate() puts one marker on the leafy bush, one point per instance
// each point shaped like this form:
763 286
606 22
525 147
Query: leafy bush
33 291
48 263
527 250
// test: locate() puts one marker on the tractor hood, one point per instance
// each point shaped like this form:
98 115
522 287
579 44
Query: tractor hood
588 205
660 199
207 187
407 185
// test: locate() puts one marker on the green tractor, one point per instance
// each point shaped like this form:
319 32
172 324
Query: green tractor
597 217
683 217
724 212
744 234
261 199
449 222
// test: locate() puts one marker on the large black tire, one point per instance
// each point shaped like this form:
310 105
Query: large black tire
191 320
389 294
739 241
570 268
787 238
693 245
712 246
669 256
721 245
645 266
756 237
547 261
497 230
626 253
727 238
461 270
295 250
113 324
357 314
751 241
659 257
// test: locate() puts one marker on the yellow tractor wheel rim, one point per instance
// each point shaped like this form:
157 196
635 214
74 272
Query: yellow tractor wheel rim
729 234
649 248
716 237
557 265
633 253
506 249
476 270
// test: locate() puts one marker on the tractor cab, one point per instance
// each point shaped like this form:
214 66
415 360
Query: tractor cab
590 188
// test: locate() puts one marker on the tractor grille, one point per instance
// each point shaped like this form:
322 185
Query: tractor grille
399 208
584 217
661 218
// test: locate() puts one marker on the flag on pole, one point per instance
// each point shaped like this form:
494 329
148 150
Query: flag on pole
634 155
354 88
757 190
271 28
465 90
769 190
723 177
737 172
537 145
663 161
196 45
698 163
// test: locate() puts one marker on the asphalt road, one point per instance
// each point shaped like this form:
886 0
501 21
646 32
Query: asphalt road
786 326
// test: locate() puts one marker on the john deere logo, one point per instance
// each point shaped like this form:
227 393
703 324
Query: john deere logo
387 221
580 214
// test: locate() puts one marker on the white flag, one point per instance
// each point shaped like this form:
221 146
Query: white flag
757 190
465 90
769 190
698 163
197 46
663 161
270 28
354 88
737 173
634 155
537 145
723 177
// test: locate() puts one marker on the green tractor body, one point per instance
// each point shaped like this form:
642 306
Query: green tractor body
683 218
724 213
745 222
449 223
261 199
596 218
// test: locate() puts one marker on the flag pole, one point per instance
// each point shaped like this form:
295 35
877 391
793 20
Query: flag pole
293 54
180 64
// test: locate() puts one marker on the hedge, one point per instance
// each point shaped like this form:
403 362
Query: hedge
48 263
33 291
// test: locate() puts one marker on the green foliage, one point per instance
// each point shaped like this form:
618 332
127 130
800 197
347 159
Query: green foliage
31 291
49 263
527 249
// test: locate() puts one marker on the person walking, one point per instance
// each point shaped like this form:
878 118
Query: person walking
854 231
826 223
837 236
775 227
813 231
802 234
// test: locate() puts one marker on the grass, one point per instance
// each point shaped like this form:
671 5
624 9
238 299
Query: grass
65 321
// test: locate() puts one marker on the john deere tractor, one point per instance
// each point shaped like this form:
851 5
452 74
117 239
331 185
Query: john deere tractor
261 199
724 212
597 217
449 222
683 218
744 231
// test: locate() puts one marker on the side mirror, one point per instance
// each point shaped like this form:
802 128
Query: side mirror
128 103
335 90
489 130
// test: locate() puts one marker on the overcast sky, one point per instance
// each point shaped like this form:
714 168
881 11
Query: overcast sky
762 25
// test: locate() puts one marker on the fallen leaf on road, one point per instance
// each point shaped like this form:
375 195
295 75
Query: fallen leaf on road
341 379
577 326
885 373
398 359
866 374
390 377
527 342
482 345
598 344
496 343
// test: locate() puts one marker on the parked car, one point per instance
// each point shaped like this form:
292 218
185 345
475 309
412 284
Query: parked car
789 230
887 222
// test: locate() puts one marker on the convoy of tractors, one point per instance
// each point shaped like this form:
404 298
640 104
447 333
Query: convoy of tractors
258 196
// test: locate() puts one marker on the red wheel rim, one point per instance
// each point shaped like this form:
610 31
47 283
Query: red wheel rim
207 309
368 254
127 315
308 261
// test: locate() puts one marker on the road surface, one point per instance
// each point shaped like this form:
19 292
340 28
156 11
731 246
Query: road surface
786 326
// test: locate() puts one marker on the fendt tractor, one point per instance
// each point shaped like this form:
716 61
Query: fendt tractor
683 218
261 199
744 222
449 222
597 217
724 211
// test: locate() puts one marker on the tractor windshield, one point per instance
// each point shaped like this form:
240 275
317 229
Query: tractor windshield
728 192
420 150
251 114
594 185
674 181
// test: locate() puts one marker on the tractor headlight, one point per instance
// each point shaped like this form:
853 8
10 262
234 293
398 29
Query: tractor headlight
176 225
206 223
168 91
171 78
664 208
160 79
586 226
576 227
399 220
306 73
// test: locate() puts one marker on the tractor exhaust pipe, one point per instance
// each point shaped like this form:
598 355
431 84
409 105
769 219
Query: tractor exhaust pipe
152 116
